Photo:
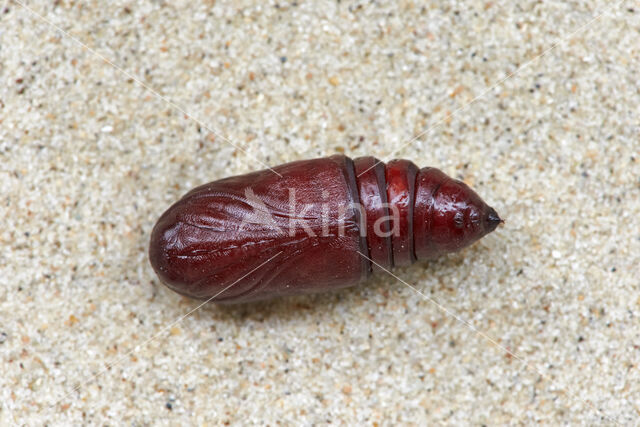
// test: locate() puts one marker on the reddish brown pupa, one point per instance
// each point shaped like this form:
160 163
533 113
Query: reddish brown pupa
318 222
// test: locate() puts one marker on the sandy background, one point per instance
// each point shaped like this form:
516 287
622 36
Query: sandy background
89 158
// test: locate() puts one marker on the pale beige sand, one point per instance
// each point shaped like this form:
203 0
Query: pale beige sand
89 159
